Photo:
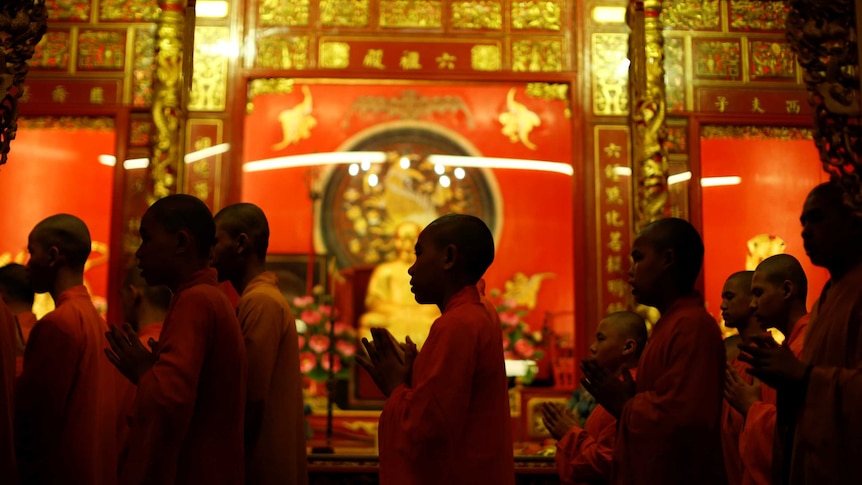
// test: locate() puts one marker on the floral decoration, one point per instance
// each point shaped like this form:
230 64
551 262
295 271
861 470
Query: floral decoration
519 342
314 315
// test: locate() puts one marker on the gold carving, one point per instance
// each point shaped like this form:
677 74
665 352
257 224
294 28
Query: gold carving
209 71
691 14
717 59
74 10
613 150
279 13
446 61
97 95
486 58
129 10
761 247
410 60
282 52
373 58
772 60
168 112
267 86
518 121
52 52
139 134
481 14
610 74
536 14
674 78
755 132
411 13
793 106
143 67
409 106
721 103
551 91
524 290
98 123
344 13
201 189
537 55
101 49
59 94
757 14
297 122
755 106
334 55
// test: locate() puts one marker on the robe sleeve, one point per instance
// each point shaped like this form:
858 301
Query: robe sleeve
422 420
582 457
50 370
831 408
165 400
756 442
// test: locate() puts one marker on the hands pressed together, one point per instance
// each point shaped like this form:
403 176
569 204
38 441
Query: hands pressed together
611 392
388 362
557 419
128 354
739 394
772 363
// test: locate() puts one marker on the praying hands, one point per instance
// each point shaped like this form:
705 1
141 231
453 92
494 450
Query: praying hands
128 354
611 392
388 362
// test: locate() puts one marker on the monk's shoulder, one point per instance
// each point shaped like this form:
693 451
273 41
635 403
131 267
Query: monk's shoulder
204 299
263 300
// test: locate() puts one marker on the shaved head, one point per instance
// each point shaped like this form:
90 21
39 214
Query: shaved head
630 325
743 279
248 219
68 234
181 212
15 285
679 236
784 267
159 296
471 236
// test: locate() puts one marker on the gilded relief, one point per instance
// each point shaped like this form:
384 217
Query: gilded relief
411 13
551 91
610 74
523 290
674 73
267 86
761 247
101 49
139 133
344 13
334 55
409 106
480 14
536 15
102 123
142 68
209 70
537 55
486 58
772 60
676 139
755 132
282 52
297 122
168 112
129 10
691 15
757 14
52 52
69 10
281 13
717 59
518 121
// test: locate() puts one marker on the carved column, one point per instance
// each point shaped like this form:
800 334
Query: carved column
648 115
169 103
824 36
22 25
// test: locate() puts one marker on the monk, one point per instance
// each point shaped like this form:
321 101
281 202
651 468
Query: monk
668 428
584 455
66 407
274 416
820 393
779 291
18 294
446 417
144 306
8 468
736 313
731 346
187 423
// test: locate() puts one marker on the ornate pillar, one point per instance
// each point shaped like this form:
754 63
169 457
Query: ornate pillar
823 33
648 114
22 25
169 100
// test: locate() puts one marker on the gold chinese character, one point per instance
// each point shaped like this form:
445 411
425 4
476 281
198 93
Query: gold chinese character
615 307
612 217
721 103
410 60
611 172
202 190
59 94
618 287
97 95
793 106
201 168
374 58
614 265
616 242
614 195
446 61
755 106
613 150
203 142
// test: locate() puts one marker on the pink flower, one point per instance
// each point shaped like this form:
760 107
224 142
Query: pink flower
310 317
303 301
510 303
336 362
507 345
524 348
342 328
345 348
301 340
325 310
318 343
307 361
509 318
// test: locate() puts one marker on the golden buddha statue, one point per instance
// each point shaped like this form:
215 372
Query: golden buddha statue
389 302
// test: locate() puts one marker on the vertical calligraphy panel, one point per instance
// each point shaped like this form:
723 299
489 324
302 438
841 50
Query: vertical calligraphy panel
204 160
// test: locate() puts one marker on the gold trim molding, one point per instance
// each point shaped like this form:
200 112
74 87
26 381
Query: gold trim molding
755 132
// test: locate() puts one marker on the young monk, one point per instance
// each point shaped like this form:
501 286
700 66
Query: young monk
778 299
821 393
144 306
8 469
446 418
66 406
584 455
736 312
187 424
668 428
274 417
17 292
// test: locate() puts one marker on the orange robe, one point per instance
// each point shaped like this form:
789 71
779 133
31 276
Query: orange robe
25 321
66 406
828 435
451 425
758 435
732 423
151 331
669 432
188 414
275 416
585 455
7 398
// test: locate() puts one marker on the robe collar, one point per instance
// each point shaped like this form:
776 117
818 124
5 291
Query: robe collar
266 278
206 276
75 292
693 299
465 296
798 329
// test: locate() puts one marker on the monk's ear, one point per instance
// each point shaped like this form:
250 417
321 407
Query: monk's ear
184 241
630 347
53 255
668 257
450 255
787 289
242 243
